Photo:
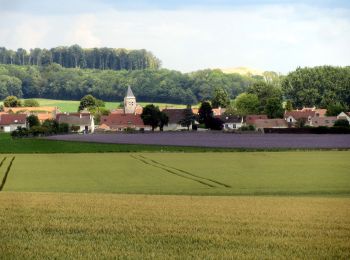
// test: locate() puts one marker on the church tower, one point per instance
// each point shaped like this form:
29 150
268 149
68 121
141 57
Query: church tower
129 102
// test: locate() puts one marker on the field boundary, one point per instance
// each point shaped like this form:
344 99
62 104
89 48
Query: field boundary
6 172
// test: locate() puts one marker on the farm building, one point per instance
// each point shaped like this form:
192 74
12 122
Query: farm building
250 119
84 122
10 122
270 123
175 116
121 122
42 113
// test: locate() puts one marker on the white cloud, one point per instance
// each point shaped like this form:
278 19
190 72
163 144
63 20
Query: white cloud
273 37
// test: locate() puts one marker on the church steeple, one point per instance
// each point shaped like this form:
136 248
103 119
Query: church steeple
129 93
129 102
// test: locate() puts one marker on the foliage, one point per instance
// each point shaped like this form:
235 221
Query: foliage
214 123
220 98
31 103
188 118
274 108
289 105
245 128
52 125
149 85
205 113
10 86
264 92
89 102
318 86
32 121
75 128
152 116
12 101
247 104
76 57
335 109
341 123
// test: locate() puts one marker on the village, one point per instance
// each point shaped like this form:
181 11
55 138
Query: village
129 118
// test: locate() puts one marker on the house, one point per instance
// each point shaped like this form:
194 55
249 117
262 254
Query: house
42 113
10 122
83 121
323 121
250 119
175 115
344 115
231 122
294 116
121 122
218 111
260 124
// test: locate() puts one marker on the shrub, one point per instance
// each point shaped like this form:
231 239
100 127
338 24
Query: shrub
341 123
75 128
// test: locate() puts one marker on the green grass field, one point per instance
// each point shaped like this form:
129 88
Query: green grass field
259 173
76 200
72 105
102 226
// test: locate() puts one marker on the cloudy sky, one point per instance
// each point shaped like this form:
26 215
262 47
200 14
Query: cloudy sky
189 35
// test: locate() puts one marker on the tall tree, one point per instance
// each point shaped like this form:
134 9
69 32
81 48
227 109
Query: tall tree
247 104
220 99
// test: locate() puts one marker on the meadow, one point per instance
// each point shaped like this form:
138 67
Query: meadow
106 226
72 105
249 173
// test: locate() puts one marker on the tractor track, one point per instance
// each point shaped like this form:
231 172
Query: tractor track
6 172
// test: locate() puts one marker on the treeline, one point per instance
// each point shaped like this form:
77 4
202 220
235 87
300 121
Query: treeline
76 57
162 85
318 86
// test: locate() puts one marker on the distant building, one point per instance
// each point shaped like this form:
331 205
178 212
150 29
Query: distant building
129 102
42 113
231 122
10 122
260 124
250 119
83 121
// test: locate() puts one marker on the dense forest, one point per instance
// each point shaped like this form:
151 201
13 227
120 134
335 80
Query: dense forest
77 57
162 85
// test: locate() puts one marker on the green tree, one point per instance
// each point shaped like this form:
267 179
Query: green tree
52 125
205 113
335 109
163 120
12 101
151 116
341 123
189 117
274 108
220 99
87 102
289 105
32 121
264 92
247 104
31 103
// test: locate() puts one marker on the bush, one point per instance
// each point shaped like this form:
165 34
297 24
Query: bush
31 103
214 123
341 123
39 131
247 128
63 128
75 128
20 132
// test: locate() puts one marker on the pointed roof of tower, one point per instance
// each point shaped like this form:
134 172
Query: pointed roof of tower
129 93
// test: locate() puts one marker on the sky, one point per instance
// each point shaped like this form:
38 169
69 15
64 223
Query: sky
189 35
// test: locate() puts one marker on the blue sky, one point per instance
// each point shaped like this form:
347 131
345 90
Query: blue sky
189 35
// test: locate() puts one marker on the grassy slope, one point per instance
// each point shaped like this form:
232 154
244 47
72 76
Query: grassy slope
287 173
72 105
91 226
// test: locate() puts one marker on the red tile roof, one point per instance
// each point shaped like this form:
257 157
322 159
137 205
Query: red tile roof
298 114
115 121
250 119
11 119
270 123
174 114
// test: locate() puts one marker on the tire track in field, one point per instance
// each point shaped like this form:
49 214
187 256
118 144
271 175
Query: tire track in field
6 172
172 172
188 173
2 161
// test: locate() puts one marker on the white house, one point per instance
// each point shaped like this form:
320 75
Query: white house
85 121
10 122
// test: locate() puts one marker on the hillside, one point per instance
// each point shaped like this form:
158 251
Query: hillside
243 71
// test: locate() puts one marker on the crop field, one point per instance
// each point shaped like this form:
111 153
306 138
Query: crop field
105 226
267 205
259 173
